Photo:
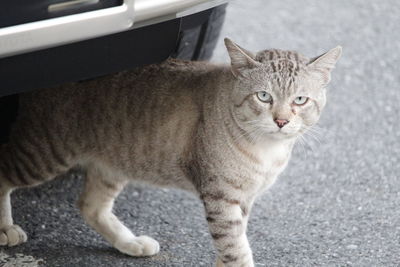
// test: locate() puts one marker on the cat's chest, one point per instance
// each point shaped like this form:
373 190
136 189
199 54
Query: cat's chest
273 160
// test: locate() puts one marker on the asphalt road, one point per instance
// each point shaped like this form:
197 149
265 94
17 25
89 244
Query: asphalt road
337 203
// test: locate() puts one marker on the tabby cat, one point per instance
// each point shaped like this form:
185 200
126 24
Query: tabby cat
222 132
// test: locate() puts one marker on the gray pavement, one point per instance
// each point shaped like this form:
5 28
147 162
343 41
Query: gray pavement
337 203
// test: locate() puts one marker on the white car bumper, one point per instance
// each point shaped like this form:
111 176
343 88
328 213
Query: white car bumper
72 28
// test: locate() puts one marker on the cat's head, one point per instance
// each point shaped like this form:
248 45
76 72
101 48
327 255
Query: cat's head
279 94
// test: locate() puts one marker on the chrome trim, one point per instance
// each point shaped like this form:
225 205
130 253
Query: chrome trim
52 32
147 11
70 4
200 7
62 30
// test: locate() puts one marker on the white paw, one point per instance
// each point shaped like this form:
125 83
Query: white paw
12 235
138 246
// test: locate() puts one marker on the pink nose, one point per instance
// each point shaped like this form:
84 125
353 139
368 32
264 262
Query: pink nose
281 123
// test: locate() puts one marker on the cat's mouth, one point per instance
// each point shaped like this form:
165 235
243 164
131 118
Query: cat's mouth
282 133
268 131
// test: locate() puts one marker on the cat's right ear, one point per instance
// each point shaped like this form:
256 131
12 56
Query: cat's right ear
241 59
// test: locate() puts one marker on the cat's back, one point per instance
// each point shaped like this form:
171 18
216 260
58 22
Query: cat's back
170 78
172 75
163 101
169 81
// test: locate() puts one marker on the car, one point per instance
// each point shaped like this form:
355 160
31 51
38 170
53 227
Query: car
48 43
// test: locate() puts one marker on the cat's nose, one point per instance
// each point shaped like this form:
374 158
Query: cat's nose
281 123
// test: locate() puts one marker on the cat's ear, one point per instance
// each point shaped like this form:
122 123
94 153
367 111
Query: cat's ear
324 63
241 59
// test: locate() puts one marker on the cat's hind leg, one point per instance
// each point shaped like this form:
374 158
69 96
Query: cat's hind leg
96 205
10 234
22 166
10 177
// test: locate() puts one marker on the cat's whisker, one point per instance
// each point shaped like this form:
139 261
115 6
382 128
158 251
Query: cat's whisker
260 134
242 135
321 132
314 128
313 133
253 121
257 132
310 143
306 142
316 133
313 136
302 145
249 134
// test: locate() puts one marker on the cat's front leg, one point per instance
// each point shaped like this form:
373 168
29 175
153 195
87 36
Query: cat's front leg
227 221
96 204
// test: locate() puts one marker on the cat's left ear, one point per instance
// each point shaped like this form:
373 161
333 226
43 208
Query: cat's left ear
241 59
324 64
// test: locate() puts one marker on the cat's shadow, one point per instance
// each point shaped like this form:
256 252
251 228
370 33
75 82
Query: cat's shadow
70 254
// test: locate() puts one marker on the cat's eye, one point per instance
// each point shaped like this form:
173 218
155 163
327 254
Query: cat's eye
264 97
300 100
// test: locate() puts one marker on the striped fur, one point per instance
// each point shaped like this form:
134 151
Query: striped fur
183 124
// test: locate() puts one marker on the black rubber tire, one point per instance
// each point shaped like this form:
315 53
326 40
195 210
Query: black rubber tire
198 43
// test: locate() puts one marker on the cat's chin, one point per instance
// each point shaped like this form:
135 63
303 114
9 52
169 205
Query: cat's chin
280 135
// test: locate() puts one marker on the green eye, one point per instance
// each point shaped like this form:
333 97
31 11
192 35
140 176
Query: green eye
300 100
264 97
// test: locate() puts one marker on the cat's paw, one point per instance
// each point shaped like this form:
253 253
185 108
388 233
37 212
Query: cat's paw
12 235
138 246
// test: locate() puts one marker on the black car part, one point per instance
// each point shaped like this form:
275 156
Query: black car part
192 38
